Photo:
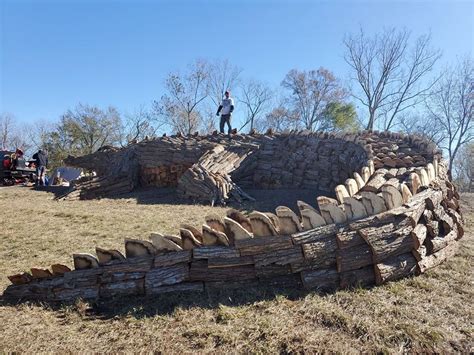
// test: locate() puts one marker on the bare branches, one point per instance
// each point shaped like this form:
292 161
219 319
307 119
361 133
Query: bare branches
222 76
389 73
255 96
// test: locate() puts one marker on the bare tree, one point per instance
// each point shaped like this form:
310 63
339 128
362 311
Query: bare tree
256 97
7 127
279 119
140 124
179 108
421 124
464 168
451 105
222 76
391 75
310 92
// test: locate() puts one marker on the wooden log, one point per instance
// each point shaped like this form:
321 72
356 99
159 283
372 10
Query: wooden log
309 216
262 245
420 253
269 271
199 271
262 225
351 186
321 248
172 258
365 173
240 218
438 257
230 262
395 267
315 234
189 240
405 192
85 261
321 280
434 200
419 235
123 288
213 237
138 264
436 244
362 277
20 279
215 252
375 183
330 211
235 231
446 223
388 240
288 220
341 193
354 209
164 243
197 234
168 275
373 203
347 238
40 273
391 196
414 182
59 269
105 255
279 257
215 222
353 258
359 180
181 287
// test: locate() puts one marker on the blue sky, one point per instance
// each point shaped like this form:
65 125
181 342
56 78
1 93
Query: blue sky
55 54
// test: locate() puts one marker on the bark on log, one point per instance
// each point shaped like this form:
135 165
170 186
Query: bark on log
395 267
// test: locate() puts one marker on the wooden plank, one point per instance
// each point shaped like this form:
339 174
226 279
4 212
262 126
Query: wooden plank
362 277
395 267
262 245
215 252
315 234
321 280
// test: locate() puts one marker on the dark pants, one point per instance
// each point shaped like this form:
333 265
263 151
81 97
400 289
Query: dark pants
225 119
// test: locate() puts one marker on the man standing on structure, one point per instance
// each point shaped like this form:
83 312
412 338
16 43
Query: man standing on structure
225 109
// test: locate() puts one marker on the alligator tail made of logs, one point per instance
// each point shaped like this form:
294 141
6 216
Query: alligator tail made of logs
396 214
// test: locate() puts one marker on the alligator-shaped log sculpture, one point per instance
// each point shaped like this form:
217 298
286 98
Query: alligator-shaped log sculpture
395 214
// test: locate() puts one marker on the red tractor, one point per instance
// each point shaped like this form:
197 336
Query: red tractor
14 170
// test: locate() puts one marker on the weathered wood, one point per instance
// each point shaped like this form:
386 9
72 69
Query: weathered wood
189 240
40 273
106 255
347 238
374 204
438 257
235 231
20 279
279 257
240 218
330 211
172 258
269 271
419 235
262 245
320 249
321 280
354 209
181 287
315 234
446 223
395 267
288 220
351 186
353 258
215 222
262 225
136 248
341 193
375 183
436 244
170 243
85 261
59 269
362 277
230 262
168 275
309 216
392 197
211 236
215 252
123 288
200 271
388 240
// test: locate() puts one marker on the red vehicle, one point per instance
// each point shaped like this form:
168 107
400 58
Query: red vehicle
13 169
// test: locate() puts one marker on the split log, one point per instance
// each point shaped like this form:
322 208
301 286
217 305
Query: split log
168 275
354 209
20 279
181 287
165 243
362 277
189 241
215 222
320 249
360 182
213 237
309 216
351 186
365 172
374 204
375 183
406 193
230 262
419 235
262 245
279 257
438 243
85 261
288 220
136 247
414 182
199 271
388 240
330 211
341 193
196 232
315 234
395 267
123 288
172 258
240 218
104 255
215 252
59 269
40 273
353 258
347 238
391 196
438 257
262 226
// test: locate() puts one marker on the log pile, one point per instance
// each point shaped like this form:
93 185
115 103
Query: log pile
309 160
374 236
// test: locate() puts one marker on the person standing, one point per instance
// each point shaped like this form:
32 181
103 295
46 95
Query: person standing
225 110
41 160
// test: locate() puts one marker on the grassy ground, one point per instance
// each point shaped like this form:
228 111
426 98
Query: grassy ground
432 312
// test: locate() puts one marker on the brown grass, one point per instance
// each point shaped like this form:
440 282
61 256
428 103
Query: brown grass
432 312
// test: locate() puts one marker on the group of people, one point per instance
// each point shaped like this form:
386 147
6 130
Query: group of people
39 161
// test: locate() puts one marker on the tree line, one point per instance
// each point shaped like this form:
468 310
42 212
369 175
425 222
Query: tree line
394 84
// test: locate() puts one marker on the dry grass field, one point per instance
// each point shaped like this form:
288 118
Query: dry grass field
432 312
